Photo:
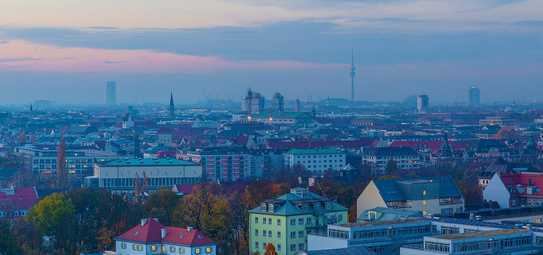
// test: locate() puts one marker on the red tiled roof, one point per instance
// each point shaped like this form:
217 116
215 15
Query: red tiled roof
151 232
524 179
23 198
306 144
184 236
433 146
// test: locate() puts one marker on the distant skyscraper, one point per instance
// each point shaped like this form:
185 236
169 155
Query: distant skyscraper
423 103
172 106
278 103
474 96
111 93
298 107
253 103
353 75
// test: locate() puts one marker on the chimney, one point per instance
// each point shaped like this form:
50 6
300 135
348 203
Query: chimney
163 233
143 222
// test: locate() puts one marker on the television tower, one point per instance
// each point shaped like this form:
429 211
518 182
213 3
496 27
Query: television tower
353 75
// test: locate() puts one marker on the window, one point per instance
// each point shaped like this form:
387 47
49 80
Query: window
300 234
301 221
172 249
270 233
292 234
278 234
154 248
256 232
256 220
123 245
256 245
181 250
293 222
292 247
308 221
278 247
269 221
278 222
209 250
197 251
301 247
263 220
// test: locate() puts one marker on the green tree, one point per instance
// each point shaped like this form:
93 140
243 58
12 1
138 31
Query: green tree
161 205
8 244
53 216
51 213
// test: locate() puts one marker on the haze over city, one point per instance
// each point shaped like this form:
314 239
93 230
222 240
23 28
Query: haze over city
65 51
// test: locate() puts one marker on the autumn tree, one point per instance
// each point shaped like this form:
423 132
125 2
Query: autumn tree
53 216
270 249
161 205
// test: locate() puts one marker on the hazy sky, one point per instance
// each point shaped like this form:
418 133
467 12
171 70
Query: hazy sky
65 50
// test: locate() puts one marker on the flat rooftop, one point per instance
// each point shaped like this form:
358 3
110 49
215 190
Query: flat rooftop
145 162
481 234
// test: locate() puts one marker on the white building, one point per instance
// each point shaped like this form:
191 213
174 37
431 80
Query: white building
43 160
403 157
123 175
429 196
150 237
316 160
505 241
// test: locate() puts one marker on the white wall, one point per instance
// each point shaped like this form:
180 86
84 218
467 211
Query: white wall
496 191
369 199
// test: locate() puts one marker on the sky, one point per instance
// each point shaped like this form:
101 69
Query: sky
66 50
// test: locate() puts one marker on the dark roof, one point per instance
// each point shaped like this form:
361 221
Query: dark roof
417 189
391 151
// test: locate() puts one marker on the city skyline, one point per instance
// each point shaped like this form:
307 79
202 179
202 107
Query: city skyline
402 48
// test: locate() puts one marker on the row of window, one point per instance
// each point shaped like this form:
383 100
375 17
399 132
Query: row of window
321 156
129 182
268 221
163 248
267 233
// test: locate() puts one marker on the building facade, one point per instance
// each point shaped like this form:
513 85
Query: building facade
125 175
403 157
286 221
316 161
226 164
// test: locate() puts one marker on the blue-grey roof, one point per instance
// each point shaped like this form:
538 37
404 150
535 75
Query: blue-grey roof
417 189
298 201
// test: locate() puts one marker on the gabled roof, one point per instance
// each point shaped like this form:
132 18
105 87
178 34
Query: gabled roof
146 232
150 231
518 182
417 189
20 199
186 236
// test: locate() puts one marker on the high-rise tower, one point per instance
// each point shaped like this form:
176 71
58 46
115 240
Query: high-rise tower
353 75
474 96
111 93
172 106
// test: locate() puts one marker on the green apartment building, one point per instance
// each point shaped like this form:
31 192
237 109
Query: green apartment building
285 221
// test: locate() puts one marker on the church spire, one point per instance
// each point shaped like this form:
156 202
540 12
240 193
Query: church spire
172 106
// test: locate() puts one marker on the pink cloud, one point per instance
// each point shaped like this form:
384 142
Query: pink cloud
27 56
